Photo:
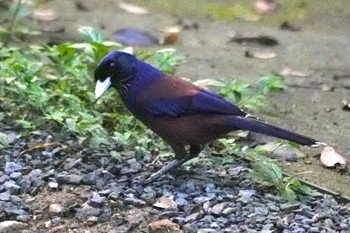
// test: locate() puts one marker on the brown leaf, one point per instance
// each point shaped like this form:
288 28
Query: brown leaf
331 158
171 35
36 147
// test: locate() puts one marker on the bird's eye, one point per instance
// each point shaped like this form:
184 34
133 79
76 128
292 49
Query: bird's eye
112 66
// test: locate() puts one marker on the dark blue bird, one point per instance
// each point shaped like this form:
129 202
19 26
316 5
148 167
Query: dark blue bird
178 111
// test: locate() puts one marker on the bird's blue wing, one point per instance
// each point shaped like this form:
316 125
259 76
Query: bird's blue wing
209 102
171 107
204 102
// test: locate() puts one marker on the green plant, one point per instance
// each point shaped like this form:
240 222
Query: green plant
51 88
250 98
166 60
271 83
267 172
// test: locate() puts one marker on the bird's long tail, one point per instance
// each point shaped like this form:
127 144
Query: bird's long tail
257 126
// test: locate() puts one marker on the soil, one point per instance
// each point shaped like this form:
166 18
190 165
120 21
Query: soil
321 48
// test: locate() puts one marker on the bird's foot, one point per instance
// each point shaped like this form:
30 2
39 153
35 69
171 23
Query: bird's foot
154 176
173 164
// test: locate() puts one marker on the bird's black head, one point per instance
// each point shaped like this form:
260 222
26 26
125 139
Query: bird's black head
114 68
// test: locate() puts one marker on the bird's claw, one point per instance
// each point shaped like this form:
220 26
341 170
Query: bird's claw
164 170
142 181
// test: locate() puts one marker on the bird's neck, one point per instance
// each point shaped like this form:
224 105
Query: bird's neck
146 74
130 87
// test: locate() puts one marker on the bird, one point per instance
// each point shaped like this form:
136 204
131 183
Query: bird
184 115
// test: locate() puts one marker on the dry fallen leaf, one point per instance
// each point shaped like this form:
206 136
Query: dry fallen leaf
165 203
265 7
36 147
289 72
171 35
205 83
259 55
45 15
331 158
172 29
134 9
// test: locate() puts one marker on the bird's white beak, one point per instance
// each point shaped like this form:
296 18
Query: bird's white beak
102 87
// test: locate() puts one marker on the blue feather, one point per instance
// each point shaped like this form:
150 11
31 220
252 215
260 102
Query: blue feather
204 102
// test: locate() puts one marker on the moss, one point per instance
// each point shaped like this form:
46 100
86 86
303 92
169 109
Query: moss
228 12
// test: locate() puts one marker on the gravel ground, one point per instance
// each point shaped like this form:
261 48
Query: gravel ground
57 189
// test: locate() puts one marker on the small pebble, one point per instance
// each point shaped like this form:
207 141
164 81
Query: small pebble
91 221
209 188
261 211
96 200
181 202
16 175
90 178
193 217
87 211
23 218
69 179
228 211
163 226
12 226
55 208
218 208
148 195
12 187
5 196
134 201
11 167
3 179
53 185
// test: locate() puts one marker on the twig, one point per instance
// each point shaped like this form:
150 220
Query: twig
13 22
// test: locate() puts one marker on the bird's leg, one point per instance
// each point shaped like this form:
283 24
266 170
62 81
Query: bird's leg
194 151
171 165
